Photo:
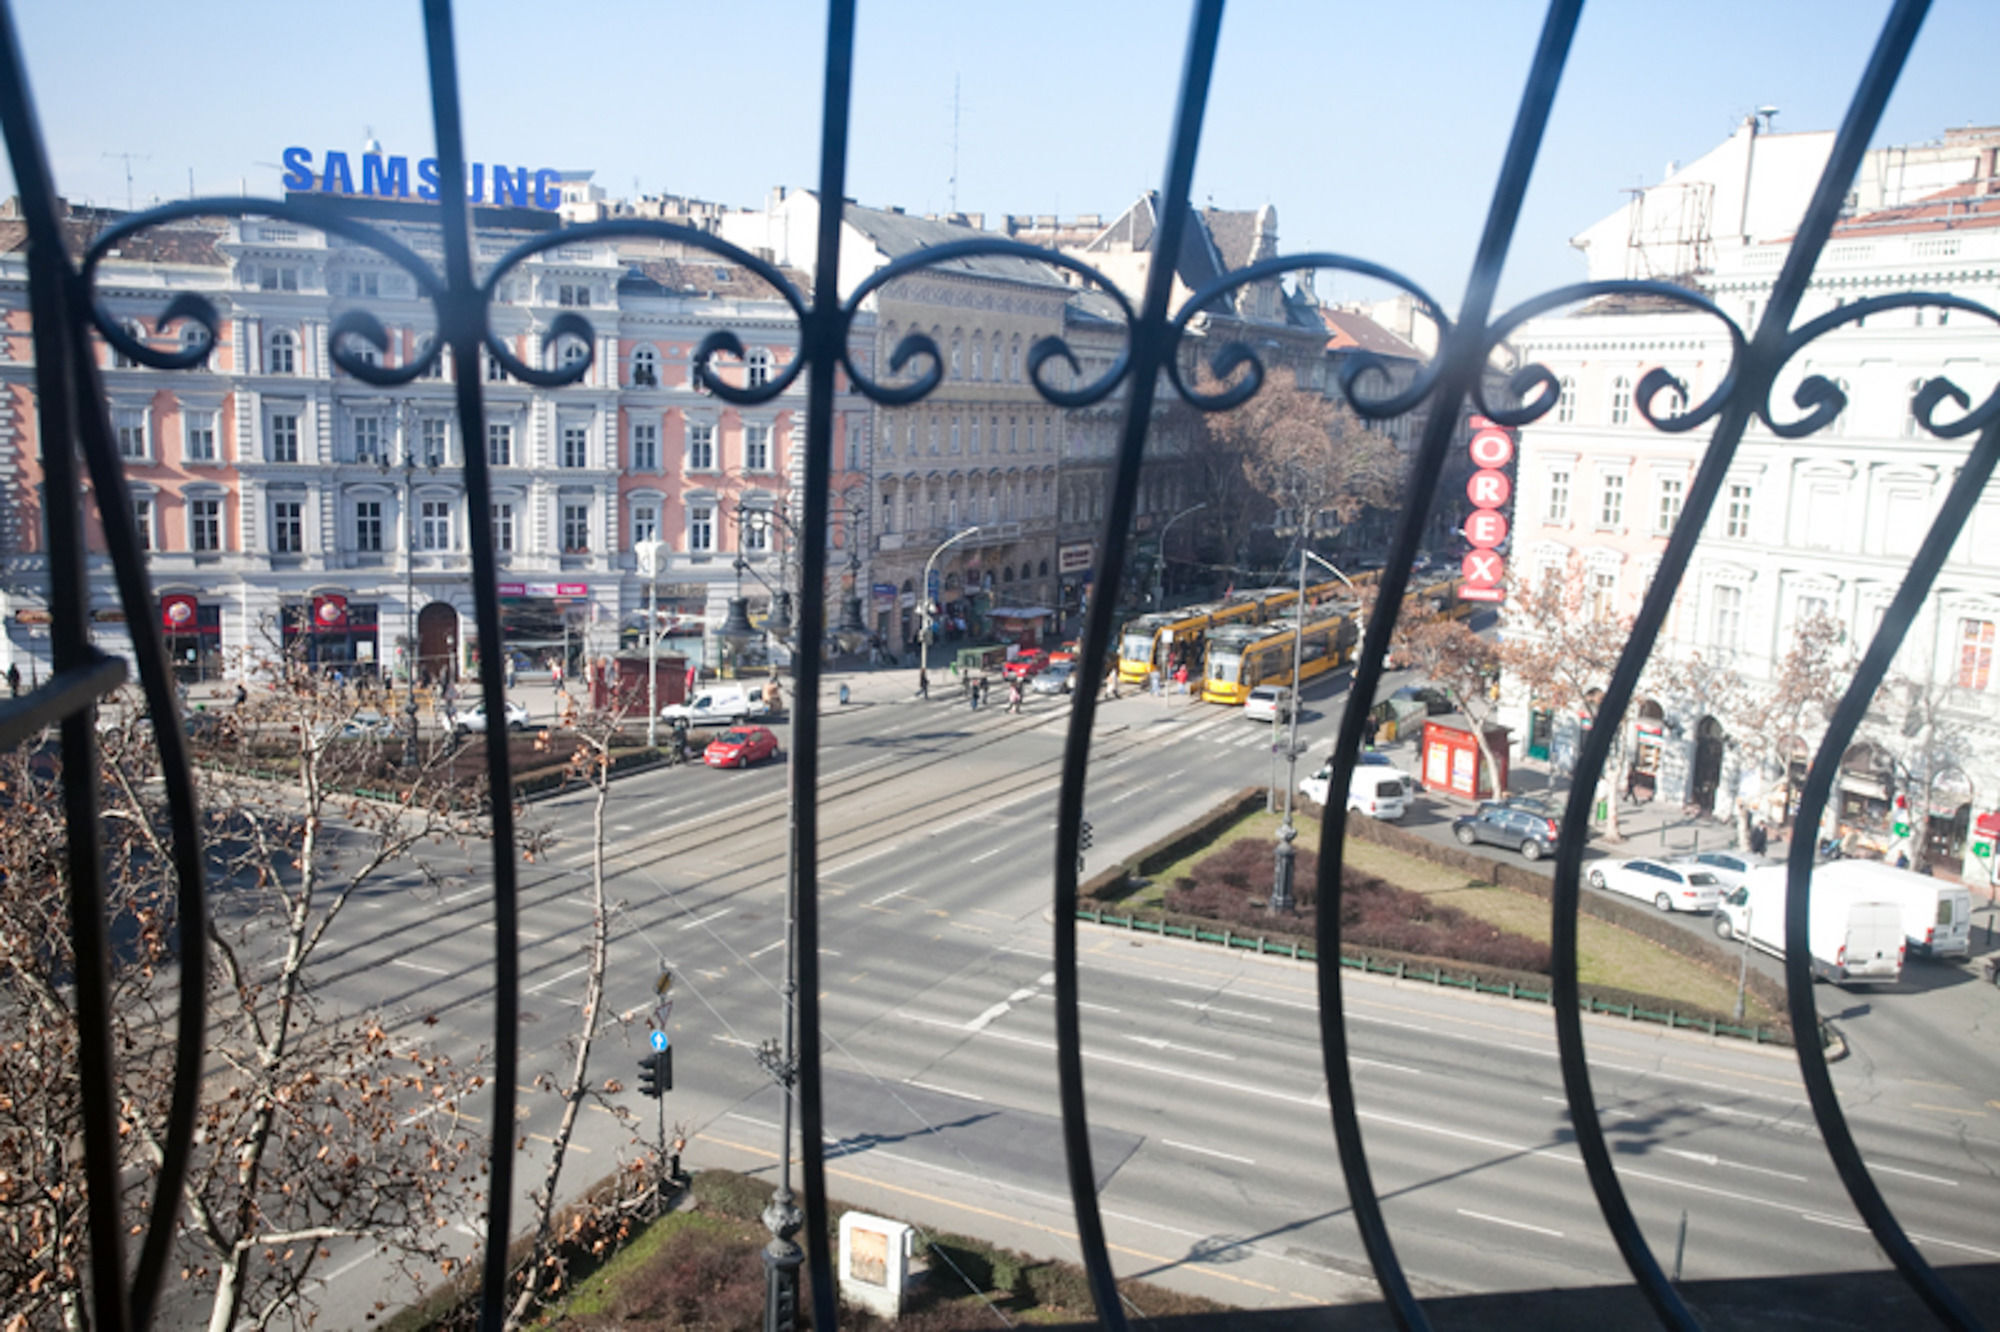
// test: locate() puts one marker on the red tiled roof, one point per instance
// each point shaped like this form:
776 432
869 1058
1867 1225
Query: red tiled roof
1963 206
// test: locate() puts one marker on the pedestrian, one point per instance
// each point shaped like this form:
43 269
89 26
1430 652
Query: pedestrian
1371 726
555 673
510 673
14 679
242 694
1181 678
1760 837
1014 697
972 688
923 684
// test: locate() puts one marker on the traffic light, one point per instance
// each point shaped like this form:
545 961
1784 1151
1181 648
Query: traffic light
1900 820
656 1073
1083 839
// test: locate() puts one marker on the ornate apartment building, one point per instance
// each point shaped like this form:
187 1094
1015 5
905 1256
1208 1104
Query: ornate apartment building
290 505
1826 523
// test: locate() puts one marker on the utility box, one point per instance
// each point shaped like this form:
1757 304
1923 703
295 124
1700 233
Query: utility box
1451 760
874 1263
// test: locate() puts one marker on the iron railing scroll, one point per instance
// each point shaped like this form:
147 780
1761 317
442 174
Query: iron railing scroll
74 418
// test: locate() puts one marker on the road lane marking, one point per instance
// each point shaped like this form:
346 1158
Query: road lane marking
986 1019
1161 1043
888 896
1207 1151
1098 1008
986 855
1913 1174
1383 1063
735 1040
700 921
1223 1012
416 966
557 980
1710 1159
1836 1222
775 943
1947 1109
1517 1225
943 1091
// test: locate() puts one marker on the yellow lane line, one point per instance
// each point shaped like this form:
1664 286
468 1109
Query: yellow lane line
1947 1109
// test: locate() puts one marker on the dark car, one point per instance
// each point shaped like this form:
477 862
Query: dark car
1436 702
1532 834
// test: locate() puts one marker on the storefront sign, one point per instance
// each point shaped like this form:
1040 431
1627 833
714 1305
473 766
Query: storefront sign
1489 490
884 593
330 613
178 613
32 617
545 589
109 615
1075 558
389 178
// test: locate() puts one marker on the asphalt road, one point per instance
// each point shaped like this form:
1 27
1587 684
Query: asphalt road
1211 1141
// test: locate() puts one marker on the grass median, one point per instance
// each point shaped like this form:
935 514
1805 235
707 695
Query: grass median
1606 955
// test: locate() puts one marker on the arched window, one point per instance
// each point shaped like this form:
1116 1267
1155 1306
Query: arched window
284 358
194 336
1045 569
976 344
1014 360
645 368
955 366
573 352
1621 400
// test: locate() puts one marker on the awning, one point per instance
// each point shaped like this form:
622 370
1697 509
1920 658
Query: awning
1018 612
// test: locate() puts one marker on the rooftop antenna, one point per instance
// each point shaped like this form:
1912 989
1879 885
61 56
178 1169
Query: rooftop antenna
954 144
129 159
1769 113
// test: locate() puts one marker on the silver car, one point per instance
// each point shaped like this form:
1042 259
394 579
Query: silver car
1056 678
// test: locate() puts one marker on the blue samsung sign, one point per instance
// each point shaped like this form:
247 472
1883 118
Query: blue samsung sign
389 178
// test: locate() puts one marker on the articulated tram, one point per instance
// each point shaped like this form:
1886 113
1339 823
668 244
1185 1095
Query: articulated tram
1242 656
1155 641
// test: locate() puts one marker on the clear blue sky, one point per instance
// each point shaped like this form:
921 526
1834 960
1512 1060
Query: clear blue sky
1375 129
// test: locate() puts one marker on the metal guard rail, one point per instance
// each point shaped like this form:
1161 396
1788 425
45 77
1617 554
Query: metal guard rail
75 421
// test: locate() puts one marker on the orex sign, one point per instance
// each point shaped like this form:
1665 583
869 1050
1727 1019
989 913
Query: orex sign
389 178
1489 490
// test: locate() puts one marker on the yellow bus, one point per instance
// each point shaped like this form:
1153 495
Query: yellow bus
1241 657
1155 641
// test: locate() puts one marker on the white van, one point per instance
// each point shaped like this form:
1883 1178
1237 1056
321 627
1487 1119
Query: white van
1855 931
1376 789
717 705
1937 915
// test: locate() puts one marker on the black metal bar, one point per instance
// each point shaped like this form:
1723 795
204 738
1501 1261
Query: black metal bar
1763 358
23 718
824 338
1152 347
1462 353
462 326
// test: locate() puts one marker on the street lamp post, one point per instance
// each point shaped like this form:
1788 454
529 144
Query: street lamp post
406 420
1160 564
648 553
929 566
1281 872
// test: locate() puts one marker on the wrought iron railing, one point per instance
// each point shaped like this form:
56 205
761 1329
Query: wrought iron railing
74 422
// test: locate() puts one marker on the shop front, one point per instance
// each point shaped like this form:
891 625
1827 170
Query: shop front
544 625
1452 761
193 632
332 632
1026 625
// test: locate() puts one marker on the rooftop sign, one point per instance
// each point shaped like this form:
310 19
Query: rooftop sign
389 178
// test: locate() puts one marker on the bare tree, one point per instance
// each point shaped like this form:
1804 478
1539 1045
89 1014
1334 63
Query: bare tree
1783 721
313 1127
1309 455
1462 665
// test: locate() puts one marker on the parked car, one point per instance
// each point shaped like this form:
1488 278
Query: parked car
1681 887
1532 834
718 705
1435 702
1380 792
1055 679
1269 703
1025 665
1729 867
741 746
1375 758
361 726
473 720
1854 932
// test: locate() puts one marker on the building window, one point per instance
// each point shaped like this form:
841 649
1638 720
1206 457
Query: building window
368 526
1671 492
368 439
1031 436
576 529
570 351
753 532
272 278
130 425
1611 506
701 528
757 370
975 435
503 527
1726 619
1013 435
575 446
496 373
574 294
645 446
701 448
1014 362
200 427
976 376
954 435
955 367
934 437
364 284
1558 507
756 448
287 528
1975 654
1736 519
1566 401
1838 426
645 523
1621 400
205 526
1911 426
645 368
142 520
433 431
434 367
285 437
434 525
284 359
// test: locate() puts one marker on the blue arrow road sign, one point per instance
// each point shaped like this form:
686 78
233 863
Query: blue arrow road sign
659 1040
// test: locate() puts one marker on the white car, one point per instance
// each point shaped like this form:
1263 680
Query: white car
718 705
1728 867
1378 789
1668 887
473 720
1268 703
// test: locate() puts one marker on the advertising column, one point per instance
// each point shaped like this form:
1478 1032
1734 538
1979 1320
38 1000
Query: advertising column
1490 490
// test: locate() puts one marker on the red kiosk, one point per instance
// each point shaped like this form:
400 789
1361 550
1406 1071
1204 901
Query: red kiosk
1451 762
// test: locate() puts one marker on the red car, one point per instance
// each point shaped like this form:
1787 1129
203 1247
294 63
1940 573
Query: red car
740 747
1026 665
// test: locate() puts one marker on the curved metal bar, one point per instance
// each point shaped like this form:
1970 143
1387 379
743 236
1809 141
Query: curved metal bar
1152 346
1461 360
1823 399
67 383
1233 355
1759 364
825 334
1950 522
918 343
462 324
1655 381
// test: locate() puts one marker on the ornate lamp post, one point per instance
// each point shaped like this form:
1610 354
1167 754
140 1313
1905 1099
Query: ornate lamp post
648 554
1281 872
406 419
930 566
1160 565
